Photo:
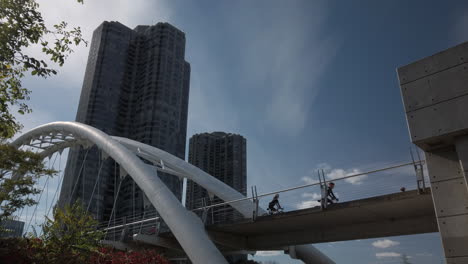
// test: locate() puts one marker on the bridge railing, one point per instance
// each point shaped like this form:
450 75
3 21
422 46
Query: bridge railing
349 186
353 186
124 227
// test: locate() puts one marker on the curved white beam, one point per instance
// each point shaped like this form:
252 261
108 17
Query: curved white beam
86 135
210 183
186 226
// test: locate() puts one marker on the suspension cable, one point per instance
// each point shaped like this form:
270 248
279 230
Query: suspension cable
79 174
47 196
115 184
40 196
94 188
115 202
58 186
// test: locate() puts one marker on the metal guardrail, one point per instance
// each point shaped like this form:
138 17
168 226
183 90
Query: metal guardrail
144 223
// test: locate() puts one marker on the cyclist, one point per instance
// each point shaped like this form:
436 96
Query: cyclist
274 205
330 195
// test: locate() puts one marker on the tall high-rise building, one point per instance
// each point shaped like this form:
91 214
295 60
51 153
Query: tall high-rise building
222 155
136 85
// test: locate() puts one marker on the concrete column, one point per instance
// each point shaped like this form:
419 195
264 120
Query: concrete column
450 197
462 150
435 97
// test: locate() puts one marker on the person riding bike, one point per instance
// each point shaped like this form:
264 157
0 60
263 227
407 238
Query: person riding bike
274 206
330 195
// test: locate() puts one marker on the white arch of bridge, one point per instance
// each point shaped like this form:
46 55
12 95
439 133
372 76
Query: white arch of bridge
186 226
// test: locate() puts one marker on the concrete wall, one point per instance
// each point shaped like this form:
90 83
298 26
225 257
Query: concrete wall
435 97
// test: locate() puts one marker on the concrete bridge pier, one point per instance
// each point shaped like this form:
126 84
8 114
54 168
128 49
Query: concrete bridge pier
308 254
450 196
435 97
462 150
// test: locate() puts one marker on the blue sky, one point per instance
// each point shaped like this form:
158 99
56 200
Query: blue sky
310 84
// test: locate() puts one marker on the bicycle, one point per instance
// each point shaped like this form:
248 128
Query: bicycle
277 211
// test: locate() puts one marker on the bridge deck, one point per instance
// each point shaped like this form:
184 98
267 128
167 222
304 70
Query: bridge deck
401 213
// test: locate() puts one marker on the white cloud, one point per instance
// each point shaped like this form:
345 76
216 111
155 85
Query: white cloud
269 253
386 243
340 173
311 195
209 108
288 57
309 180
307 204
90 15
295 82
312 175
36 118
387 254
334 173
87 16
311 202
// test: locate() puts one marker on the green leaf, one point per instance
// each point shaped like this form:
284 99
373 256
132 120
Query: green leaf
22 26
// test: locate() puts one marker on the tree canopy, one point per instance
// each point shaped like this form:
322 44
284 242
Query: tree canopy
14 192
70 236
22 26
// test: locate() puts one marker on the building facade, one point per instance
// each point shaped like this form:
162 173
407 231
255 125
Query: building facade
222 155
11 228
136 85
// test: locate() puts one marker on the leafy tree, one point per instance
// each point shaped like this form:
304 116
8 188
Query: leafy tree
14 192
110 256
70 237
22 26
15 250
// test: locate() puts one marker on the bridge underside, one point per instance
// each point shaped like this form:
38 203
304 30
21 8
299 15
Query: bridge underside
403 213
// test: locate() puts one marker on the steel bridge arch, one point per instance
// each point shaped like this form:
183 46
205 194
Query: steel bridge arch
185 225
